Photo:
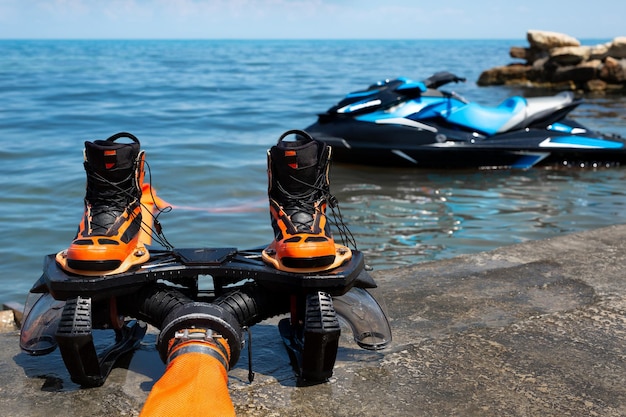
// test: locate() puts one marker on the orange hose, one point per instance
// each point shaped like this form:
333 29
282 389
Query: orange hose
194 384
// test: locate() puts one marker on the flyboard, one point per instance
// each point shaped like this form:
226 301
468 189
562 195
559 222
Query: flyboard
65 306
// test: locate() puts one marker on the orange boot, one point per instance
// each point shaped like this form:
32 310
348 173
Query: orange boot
299 195
108 235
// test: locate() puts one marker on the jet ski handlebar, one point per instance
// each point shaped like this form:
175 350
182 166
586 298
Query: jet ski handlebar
441 78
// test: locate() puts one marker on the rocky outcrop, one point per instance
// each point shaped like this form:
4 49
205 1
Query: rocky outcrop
558 61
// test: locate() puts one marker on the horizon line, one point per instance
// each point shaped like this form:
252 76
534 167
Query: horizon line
274 39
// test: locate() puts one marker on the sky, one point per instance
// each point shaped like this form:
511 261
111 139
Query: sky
308 19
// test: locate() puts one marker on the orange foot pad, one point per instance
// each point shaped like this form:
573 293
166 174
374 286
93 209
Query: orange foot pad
138 256
342 255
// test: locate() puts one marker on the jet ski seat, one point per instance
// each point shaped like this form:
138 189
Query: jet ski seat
489 120
539 107
515 112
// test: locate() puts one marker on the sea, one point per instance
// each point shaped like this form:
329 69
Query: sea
207 111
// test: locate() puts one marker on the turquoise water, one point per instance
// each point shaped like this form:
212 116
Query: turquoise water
207 111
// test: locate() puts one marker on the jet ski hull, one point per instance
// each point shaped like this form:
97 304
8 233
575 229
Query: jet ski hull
363 143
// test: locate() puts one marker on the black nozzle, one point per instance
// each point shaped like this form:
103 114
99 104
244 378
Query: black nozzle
199 315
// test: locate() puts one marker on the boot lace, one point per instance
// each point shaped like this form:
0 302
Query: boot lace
112 198
107 199
307 202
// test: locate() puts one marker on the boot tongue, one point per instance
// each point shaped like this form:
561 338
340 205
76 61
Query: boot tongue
299 161
114 161
111 183
296 166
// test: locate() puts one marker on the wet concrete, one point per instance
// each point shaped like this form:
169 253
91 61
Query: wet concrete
532 329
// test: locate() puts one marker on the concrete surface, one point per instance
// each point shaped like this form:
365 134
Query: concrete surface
536 329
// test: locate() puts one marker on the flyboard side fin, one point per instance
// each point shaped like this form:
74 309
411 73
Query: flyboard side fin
366 318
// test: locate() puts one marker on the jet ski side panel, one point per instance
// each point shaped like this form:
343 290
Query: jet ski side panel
398 146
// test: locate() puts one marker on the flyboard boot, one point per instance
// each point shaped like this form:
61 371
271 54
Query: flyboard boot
299 195
110 238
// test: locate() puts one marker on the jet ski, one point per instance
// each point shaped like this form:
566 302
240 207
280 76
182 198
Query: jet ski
402 122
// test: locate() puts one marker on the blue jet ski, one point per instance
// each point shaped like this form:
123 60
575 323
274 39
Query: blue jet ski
402 122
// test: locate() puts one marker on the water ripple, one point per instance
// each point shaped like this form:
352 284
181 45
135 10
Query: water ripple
207 111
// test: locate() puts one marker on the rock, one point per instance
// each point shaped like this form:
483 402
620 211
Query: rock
531 55
540 64
617 48
570 55
613 71
504 75
519 52
558 61
596 85
18 311
599 51
545 40
7 321
575 73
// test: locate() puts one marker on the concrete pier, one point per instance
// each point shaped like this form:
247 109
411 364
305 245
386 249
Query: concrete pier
535 329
